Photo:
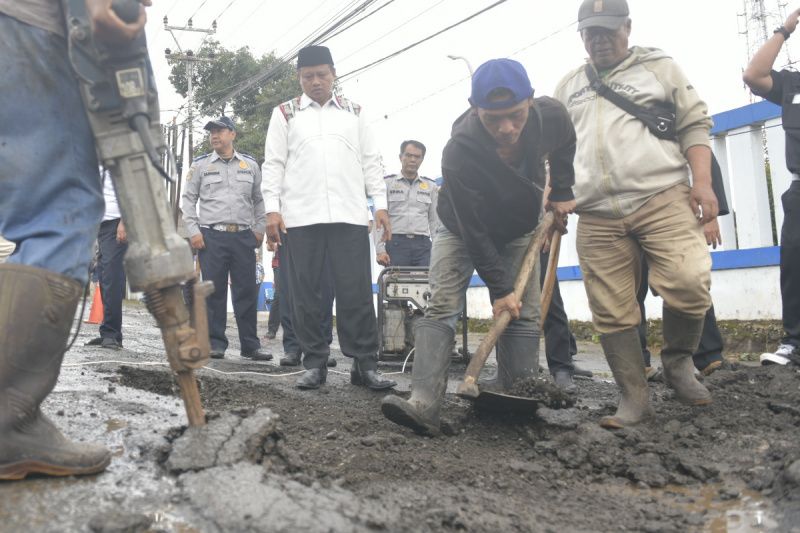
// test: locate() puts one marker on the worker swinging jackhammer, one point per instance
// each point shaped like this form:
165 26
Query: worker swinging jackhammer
122 105
39 293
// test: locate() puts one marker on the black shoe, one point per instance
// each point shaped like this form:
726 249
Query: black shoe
271 334
563 380
312 378
217 354
580 372
97 341
290 359
110 344
369 378
257 355
331 361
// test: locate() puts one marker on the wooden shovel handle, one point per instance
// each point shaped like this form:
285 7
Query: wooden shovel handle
550 275
501 322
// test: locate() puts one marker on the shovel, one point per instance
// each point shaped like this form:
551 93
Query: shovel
469 387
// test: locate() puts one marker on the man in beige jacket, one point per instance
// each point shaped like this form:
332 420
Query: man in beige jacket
636 203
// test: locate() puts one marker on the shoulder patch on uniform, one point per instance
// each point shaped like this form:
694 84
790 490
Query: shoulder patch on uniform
428 179
289 108
248 156
349 105
390 176
201 157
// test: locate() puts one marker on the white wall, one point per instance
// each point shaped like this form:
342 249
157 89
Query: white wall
738 294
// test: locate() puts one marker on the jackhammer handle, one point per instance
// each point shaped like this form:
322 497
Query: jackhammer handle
550 276
469 387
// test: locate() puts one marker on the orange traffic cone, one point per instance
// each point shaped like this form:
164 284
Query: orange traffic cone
96 311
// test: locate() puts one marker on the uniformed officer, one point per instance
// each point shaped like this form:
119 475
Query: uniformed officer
229 227
412 212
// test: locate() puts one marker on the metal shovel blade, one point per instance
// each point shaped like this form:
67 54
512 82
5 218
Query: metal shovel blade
506 403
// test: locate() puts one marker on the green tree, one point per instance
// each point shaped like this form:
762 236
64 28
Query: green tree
252 109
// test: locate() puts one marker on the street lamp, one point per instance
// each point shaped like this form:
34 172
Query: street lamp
465 60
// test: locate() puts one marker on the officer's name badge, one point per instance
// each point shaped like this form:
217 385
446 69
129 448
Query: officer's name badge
242 164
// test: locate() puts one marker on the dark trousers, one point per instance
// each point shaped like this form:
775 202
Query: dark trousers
303 257
559 343
409 250
711 344
231 254
790 264
274 321
112 279
290 343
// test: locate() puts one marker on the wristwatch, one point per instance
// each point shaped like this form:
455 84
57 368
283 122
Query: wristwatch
783 31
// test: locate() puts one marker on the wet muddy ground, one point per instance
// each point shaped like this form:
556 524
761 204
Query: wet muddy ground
278 459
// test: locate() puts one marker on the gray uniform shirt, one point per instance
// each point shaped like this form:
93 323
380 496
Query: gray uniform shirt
44 14
412 207
229 193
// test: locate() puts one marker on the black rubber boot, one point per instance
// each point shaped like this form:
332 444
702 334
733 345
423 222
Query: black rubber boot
36 311
365 373
517 355
313 378
681 337
434 344
624 355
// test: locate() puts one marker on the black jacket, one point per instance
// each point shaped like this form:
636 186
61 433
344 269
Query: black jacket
486 202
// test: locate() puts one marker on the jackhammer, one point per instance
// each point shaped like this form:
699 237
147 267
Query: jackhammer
122 105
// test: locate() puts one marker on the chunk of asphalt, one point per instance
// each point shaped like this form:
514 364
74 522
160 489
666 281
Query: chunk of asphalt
560 418
120 522
228 439
242 497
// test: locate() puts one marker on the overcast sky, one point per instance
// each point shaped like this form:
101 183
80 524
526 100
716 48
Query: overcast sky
419 93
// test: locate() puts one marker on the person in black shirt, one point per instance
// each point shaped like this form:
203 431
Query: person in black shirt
783 89
489 204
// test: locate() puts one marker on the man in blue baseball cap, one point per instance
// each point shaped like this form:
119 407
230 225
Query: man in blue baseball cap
495 185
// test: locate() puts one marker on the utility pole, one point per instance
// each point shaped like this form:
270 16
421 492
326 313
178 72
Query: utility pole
190 59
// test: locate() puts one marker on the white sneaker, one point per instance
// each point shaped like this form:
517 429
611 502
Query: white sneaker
780 357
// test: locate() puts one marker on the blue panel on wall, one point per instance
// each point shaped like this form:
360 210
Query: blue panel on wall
723 260
743 116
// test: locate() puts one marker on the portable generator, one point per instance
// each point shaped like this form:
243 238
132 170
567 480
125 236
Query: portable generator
403 295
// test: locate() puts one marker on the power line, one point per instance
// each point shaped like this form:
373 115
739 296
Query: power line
248 19
336 24
428 38
252 83
383 36
299 21
356 22
224 10
446 87
175 3
198 9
